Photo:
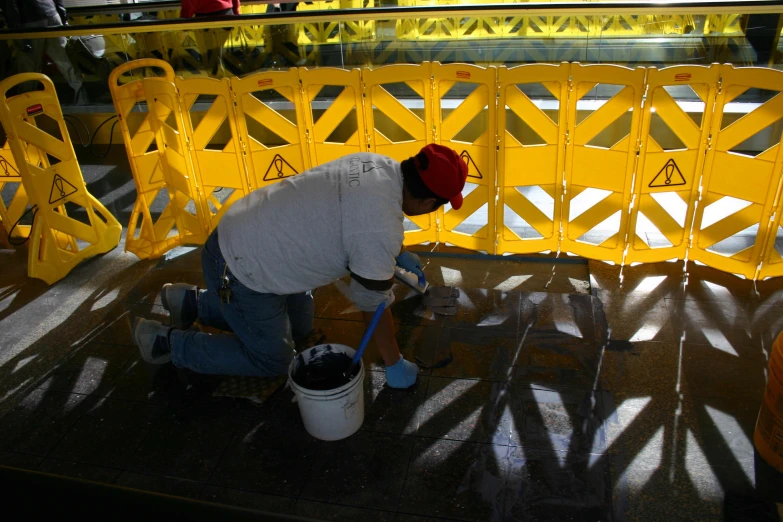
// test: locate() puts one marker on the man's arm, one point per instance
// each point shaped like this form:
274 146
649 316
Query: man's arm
384 337
236 7
61 11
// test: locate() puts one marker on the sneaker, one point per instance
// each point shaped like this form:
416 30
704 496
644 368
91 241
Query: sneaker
180 301
152 338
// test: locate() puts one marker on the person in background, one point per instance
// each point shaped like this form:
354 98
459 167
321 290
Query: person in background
279 35
214 39
192 8
28 14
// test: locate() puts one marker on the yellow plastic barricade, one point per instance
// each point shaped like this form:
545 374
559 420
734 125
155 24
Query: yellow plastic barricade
604 113
469 128
398 110
11 180
674 136
271 123
187 202
740 187
215 149
531 156
52 178
148 236
332 32
334 129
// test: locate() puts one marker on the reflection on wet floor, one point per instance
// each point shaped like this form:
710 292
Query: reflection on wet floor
555 393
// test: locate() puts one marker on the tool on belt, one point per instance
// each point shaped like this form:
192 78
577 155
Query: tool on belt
225 290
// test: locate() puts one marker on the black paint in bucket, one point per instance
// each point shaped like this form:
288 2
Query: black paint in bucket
324 370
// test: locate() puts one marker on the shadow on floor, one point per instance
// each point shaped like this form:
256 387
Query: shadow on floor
594 403
568 396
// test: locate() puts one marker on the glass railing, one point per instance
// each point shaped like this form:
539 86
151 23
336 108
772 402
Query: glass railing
353 33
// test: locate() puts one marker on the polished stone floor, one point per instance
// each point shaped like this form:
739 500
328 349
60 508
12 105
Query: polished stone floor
555 393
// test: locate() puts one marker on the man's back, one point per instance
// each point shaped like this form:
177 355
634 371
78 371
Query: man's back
308 230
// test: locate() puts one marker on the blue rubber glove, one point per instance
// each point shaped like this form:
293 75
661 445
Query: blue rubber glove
402 374
411 262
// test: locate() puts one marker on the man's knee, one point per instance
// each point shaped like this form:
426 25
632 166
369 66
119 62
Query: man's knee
274 360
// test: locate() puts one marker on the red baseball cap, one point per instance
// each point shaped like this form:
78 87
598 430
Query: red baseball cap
445 173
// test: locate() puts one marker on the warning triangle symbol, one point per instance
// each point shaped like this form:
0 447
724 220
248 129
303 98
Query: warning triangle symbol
279 169
668 176
473 171
157 175
61 189
6 168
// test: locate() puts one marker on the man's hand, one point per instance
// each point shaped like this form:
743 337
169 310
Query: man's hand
411 262
402 374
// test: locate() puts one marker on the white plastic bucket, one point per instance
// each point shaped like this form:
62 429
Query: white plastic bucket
330 414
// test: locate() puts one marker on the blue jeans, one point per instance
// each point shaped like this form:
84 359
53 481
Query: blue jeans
259 328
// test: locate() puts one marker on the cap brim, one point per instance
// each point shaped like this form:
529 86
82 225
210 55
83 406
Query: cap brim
456 202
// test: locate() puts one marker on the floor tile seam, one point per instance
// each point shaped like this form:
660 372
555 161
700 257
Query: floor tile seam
428 516
512 380
157 420
416 435
740 399
407 471
339 504
161 475
341 319
223 453
134 302
74 350
25 453
107 343
308 474
51 372
66 433
70 461
31 388
118 399
246 490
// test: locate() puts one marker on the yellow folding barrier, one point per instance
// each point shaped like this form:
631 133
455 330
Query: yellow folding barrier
11 180
148 236
187 202
531 156
400 131
600 159
52 178
583 165
333 32
215 148
337 130
271 123
469 128
739 188
674 140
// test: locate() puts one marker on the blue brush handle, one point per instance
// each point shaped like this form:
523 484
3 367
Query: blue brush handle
368 333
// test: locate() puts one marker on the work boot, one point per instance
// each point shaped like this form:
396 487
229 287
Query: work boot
180 301
152 338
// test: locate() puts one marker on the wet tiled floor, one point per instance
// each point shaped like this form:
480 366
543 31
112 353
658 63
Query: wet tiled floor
561 401
555 393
